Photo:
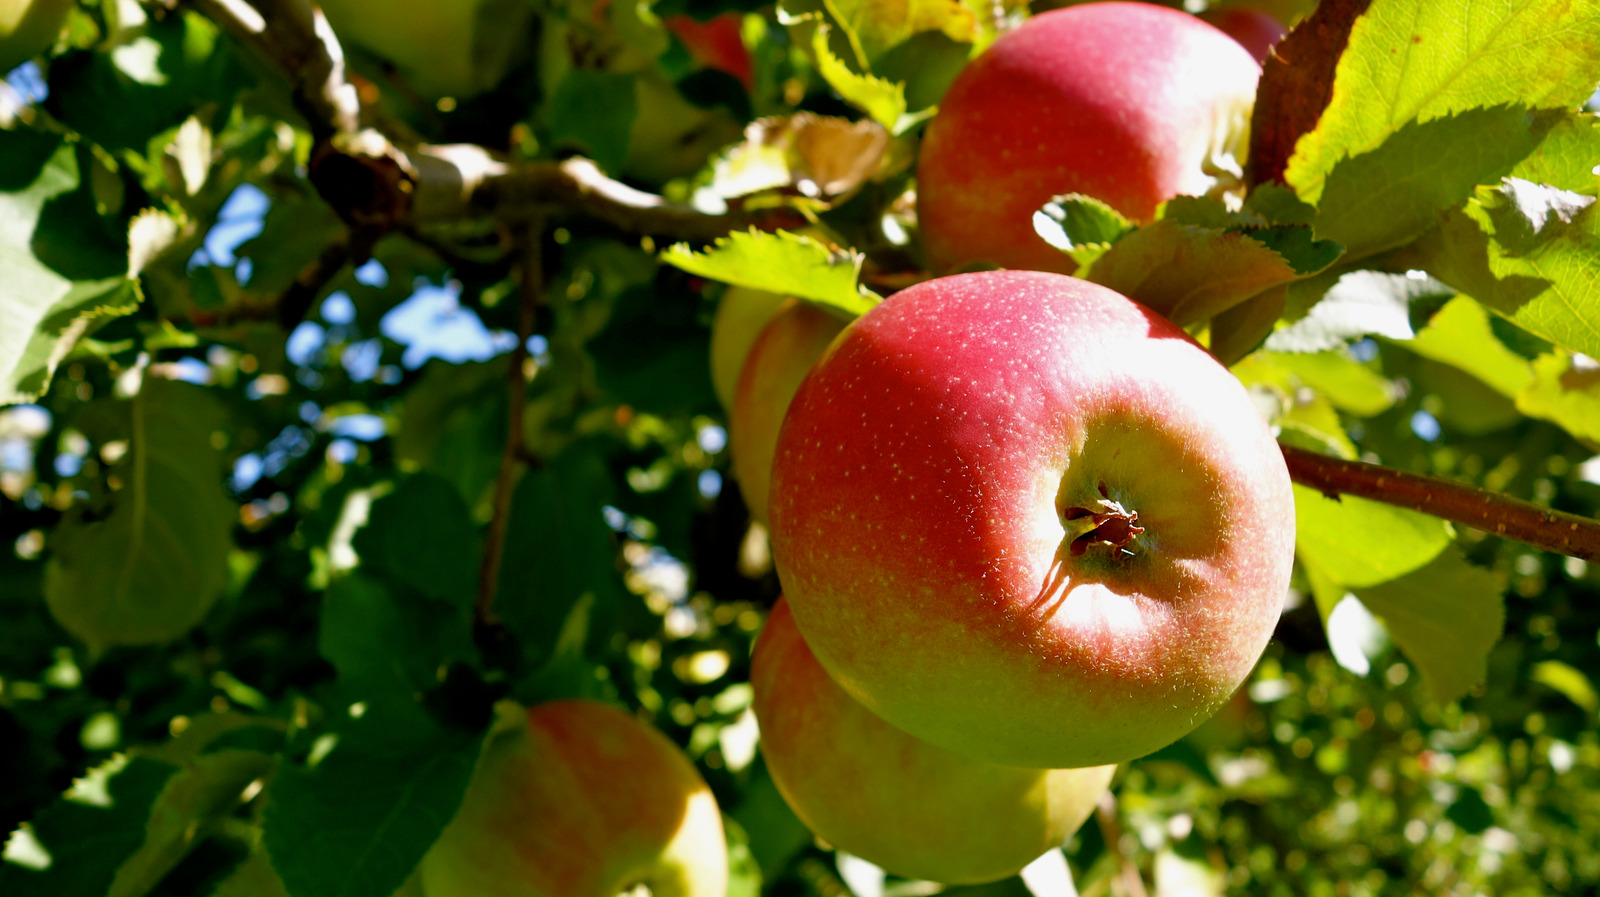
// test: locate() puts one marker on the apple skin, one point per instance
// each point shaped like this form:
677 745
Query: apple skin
1127 102
868 788
779 360
438 46
586 801
741 314
921 497
1254 29
715 43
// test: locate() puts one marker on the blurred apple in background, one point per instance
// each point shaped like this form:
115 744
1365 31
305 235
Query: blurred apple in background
870 789
779 359
452 49
715 43
741 314
1127 102
1254 29
585 801
1022 517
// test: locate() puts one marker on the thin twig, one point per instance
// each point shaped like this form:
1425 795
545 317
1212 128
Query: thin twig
531 288
1480 509
296 301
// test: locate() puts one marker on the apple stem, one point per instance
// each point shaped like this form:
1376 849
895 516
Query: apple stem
1110 523
1481 509
530 276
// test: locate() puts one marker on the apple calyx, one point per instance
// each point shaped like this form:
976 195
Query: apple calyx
1110 523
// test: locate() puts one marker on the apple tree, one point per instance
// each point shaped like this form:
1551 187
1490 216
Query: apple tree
383 440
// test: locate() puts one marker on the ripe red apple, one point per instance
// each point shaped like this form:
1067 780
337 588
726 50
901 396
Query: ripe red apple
1255 30
715 43
1128 102
779 359
587 801
741 314
1029 520
872 790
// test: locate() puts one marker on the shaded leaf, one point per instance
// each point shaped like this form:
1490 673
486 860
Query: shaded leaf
148 569
423 535
1081 226
1445 617
1459 335
1360 303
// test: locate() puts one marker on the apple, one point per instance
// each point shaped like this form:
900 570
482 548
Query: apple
28 28
779 359
868 788
585 801
715 43
741 314
1029 520
1127 102
1255 30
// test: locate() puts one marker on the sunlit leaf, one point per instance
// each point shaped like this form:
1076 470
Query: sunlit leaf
1414 60
781 262
1360 543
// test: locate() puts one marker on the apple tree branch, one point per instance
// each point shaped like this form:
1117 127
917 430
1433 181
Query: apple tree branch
1481 509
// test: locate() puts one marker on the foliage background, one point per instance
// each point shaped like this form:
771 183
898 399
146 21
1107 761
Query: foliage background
243 547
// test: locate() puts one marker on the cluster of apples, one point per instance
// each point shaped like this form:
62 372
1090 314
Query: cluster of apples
1026 528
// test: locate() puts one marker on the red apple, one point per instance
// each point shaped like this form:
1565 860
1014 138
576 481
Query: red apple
586 801
872 790
779 359
715 43
1254 29
1127 102
1029 520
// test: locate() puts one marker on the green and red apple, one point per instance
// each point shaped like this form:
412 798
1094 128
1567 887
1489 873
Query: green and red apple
1026 519
870 789
1130 103
741 314
778 361
583 801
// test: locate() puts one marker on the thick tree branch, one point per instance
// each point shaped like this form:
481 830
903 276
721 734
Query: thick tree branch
1481 509
530 292
294 37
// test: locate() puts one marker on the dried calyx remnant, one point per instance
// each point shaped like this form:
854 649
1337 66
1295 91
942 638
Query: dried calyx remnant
1113 524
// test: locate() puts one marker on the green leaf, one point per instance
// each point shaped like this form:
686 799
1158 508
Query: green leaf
1359 303
595 110
45 310
422 535
190 807
1418 60
1564 390
884 101
84 837
558 551
1569 681
1278 204
1350 385
386 642
871 29
1389 196
781 262
1445 617
1081 226
1566 157
358 821
1189 273
147 570
452 422
1358 543
1529 256
1459 335
148 84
